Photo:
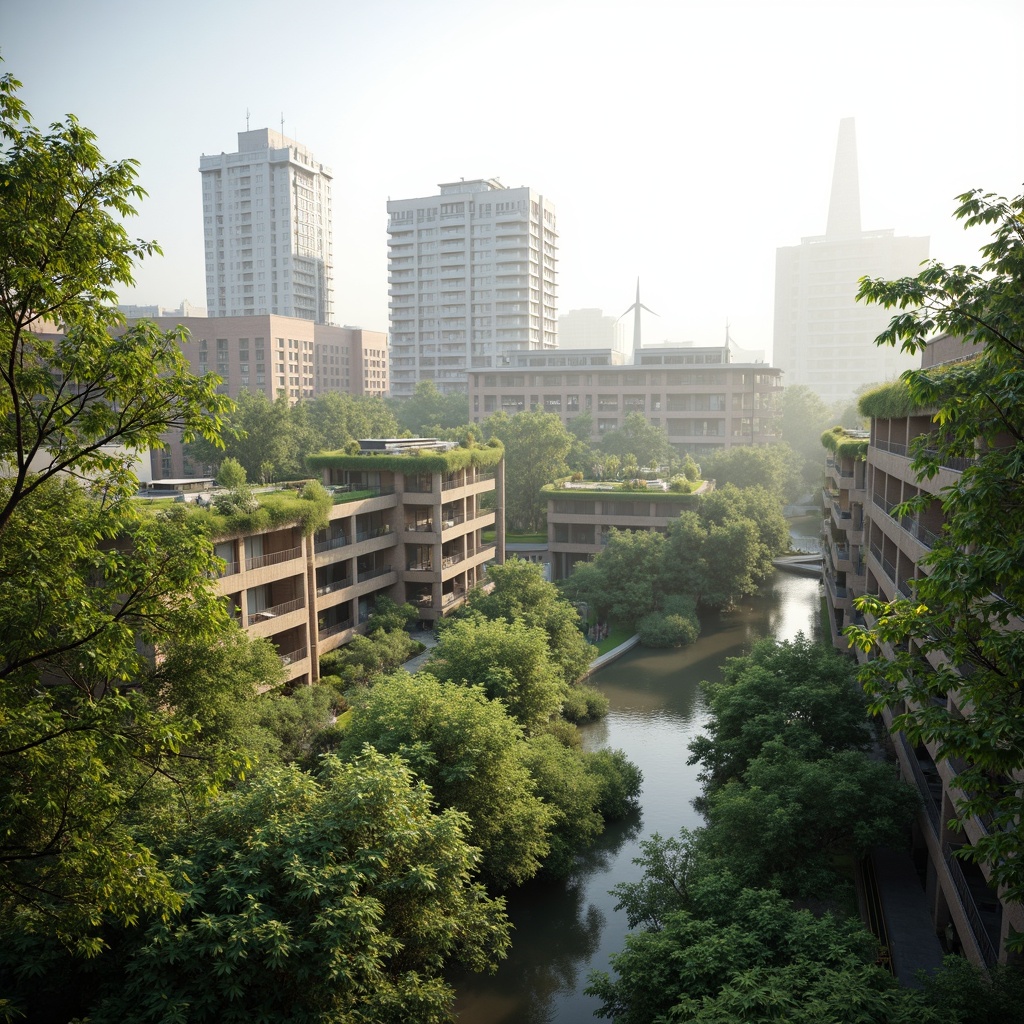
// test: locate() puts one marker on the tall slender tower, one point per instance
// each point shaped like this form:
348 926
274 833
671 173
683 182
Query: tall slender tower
268 230
823 337
472 275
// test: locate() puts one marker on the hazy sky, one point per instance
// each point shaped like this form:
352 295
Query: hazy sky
681 142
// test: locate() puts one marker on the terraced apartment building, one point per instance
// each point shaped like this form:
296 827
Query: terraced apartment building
407 521
869 549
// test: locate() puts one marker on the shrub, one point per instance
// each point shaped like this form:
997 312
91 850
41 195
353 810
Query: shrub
657 629
620 781
584 704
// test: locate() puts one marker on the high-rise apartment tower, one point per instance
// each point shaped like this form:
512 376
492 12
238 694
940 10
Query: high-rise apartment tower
824 338
267 228
472 277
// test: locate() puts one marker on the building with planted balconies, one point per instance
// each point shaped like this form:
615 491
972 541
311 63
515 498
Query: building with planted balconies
872 549
580 516
407 521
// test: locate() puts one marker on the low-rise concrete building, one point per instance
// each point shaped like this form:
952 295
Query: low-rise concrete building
703 401
407 521
580 516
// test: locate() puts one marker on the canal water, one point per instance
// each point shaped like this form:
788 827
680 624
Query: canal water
565 930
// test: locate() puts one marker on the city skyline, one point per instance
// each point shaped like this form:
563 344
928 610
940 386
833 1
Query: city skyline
678 146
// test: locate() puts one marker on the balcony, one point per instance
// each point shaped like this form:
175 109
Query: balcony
972 911
338 627
293 656
276 610
369 574
274 558
331 588
330 545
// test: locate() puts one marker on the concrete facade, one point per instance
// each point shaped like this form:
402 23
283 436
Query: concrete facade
268 230
868 550
472 275
414 536
275 355
703 401
580 517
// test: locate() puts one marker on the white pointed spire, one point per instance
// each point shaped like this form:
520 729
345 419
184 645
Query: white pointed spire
844 204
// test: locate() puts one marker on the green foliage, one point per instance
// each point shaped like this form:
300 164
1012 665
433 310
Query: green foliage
781 823
244 512
843 446
340 898
536 447
510 660
419 461
973 996
584 704
745 957
795 692
775 468
389 617
364 658
646 444
469 751
657 629
428 411
619 782
231 473
564 784
519 593
969 600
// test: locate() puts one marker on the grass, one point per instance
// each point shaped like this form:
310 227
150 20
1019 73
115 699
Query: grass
616 635
511 537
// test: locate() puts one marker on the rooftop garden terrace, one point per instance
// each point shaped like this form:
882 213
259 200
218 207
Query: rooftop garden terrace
846 444
430 457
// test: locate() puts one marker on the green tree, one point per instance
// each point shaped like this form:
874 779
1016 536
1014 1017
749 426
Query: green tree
624 580
746 956
231 473
781 824
338 898
959 634
428 409
510 660
795 692
803 416
519 593
468 750
775 467
536 447
88 584
647 444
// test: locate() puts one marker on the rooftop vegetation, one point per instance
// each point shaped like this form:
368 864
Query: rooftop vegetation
419 460
905 396
688 491
844 444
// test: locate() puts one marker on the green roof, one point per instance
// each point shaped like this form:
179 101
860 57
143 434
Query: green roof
845 444
417 461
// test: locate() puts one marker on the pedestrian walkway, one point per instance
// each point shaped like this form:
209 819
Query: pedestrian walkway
427 638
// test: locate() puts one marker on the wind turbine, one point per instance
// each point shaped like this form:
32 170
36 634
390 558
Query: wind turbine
635 310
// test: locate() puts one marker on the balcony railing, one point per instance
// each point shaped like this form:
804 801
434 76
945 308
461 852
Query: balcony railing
338 627
449 560
329 545
293 656
376 531
426 566
276 610
230 568
427 527
369 574
988 950
330 588
923 786
274 558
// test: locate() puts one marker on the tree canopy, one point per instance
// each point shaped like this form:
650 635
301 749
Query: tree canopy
341 897
536 448
959 633
88 584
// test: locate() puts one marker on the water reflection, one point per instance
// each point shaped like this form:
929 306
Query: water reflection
564 931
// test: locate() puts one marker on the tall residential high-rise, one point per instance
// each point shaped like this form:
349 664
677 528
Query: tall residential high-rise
590 328
472 277
268 230
824 338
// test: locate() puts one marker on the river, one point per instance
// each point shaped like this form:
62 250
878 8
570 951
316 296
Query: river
565 930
